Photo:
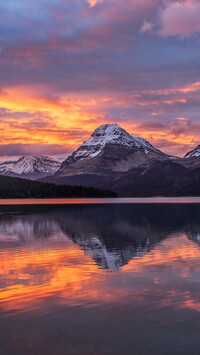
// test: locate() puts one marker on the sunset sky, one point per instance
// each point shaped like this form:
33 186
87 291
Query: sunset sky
68 66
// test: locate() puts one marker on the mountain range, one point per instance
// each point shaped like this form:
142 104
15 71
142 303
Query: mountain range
113 159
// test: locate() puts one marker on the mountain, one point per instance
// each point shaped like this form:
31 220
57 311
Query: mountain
110 134
158 178
194 153
109 159
113 159
110 149
192 158
155 178
30 167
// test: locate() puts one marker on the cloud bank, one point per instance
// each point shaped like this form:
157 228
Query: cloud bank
69 65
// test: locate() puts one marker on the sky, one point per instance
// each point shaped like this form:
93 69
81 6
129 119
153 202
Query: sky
68 66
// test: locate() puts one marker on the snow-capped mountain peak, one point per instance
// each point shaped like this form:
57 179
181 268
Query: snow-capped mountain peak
193 153
109 134
30 167
109 150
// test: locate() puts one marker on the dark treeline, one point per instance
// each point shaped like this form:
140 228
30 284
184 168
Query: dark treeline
21 188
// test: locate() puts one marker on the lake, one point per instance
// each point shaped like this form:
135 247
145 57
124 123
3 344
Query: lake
100 278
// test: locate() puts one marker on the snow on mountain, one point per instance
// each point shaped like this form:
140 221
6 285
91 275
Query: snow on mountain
6 165
109 134
110 149
106 258
30 167
193 153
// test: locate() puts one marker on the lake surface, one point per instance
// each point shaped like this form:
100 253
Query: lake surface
100 279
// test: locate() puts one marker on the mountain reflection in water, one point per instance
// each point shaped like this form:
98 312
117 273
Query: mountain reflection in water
121 260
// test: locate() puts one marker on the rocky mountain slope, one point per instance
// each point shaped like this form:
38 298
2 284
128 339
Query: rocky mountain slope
110 149
195 153
192 158
30 167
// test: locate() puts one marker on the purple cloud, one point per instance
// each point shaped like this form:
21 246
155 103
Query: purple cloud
180 18
19 149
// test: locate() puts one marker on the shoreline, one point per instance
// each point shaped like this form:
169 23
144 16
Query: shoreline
86 201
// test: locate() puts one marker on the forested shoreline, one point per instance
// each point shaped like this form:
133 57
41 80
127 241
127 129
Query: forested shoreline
21 188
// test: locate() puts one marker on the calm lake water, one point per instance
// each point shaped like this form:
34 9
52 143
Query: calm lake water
89 279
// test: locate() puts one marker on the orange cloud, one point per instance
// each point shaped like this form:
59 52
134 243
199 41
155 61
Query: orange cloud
31 115
93 3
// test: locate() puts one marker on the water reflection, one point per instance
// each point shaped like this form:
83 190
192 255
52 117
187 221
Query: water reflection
114 260
110 235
